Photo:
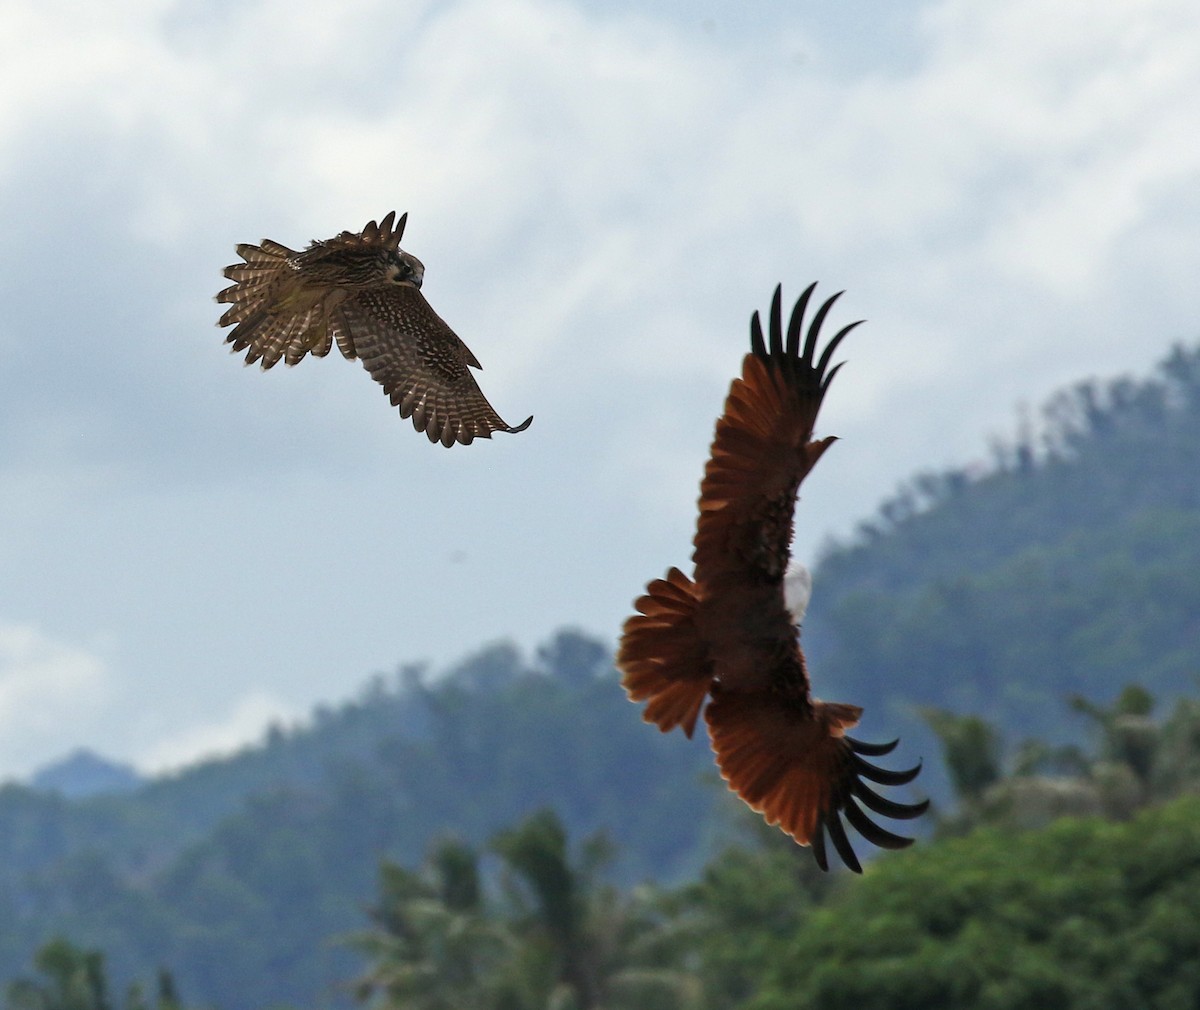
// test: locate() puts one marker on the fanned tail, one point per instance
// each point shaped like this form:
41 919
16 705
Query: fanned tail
268 324
255 280
662 658
794 764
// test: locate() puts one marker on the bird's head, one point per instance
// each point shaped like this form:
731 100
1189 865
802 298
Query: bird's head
404 268
797 590
362 259
399 267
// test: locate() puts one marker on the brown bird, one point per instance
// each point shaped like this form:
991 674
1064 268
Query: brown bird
726 635
362 291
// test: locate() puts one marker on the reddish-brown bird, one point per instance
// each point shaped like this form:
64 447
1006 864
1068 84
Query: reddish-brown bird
726 634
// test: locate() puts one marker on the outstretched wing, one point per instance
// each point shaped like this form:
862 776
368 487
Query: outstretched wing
762 450
421 363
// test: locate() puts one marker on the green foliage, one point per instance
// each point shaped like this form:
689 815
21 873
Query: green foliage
433 948
1082 914
970 748
1135 760
75 979
735 922
553 938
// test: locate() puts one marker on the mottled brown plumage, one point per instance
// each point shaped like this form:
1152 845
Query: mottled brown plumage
726 636
361 291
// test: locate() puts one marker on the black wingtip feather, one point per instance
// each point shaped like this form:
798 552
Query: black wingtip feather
837 835
784 351
777 321
885 776
848 807
885 807
818 849
833 345
757 344
872 832
872 749
796 322
814 328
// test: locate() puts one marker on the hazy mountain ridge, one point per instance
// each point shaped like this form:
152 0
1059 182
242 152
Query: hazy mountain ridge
1068 568
1101 453
238 871
84 773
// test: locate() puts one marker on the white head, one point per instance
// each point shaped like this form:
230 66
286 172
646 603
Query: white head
797 589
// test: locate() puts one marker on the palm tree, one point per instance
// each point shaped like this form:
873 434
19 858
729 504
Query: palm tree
583 945
74 979
971 748
432 947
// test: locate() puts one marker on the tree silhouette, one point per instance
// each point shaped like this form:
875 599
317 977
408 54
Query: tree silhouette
584 945
433 948
74 979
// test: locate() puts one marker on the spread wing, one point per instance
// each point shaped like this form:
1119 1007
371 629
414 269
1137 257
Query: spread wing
762 450
421 363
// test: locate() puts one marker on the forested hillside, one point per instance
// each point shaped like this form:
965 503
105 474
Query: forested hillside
1068 568
238 871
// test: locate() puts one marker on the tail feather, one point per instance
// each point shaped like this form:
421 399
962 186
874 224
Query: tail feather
663 660
269 322
253 278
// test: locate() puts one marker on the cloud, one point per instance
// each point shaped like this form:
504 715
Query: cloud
48 690
244 722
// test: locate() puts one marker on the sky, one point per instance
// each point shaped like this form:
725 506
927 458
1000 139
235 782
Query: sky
601 195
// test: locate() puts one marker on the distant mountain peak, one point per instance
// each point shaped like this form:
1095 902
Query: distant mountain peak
85 773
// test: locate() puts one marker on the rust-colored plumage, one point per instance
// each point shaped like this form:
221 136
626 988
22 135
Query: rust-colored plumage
726 635
362 292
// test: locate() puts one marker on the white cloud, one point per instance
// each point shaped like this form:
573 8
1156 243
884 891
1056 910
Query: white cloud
244 722
48 690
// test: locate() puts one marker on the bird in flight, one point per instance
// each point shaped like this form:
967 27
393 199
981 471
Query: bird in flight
727 636
361 291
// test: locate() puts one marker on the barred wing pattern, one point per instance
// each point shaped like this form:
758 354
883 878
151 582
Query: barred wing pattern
422 365
361 291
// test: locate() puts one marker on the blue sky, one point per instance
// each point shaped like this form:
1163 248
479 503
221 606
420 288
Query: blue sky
601 195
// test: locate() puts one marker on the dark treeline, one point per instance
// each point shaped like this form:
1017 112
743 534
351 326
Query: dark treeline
998 615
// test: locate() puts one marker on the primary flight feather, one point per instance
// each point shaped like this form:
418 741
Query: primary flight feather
361 291
725 636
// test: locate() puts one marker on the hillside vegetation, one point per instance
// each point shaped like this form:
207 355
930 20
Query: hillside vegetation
1067 568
